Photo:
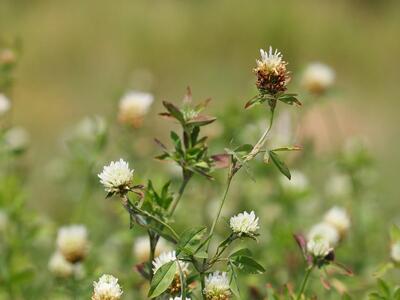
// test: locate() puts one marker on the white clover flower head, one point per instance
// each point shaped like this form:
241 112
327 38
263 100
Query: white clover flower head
107 288
217 286
165 258
5 104
324 231
244 223
133 106
270 60
297 184
317 78
141 249
319 247
59 266
116 177
16 138
3 221
338 218
339 186
395 252
178 298
72 242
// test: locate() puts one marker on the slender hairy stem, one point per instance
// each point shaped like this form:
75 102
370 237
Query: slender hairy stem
221 204
304 283
257 147
186 178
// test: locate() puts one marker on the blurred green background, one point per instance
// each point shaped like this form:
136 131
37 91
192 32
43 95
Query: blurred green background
80 56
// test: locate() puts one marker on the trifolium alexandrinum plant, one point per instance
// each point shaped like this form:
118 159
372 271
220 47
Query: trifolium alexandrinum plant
193 269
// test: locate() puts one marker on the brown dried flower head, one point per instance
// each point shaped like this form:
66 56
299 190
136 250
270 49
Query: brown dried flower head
272 76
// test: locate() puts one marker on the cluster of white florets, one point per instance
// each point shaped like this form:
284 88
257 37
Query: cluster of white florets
106 288
217 286
244 223
116 177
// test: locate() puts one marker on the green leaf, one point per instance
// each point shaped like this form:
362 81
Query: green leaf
383 269
162 279
174 111
289 99
253 101
190 240
288 148
233 282
201 120
279 164
247 264
384 287
241 252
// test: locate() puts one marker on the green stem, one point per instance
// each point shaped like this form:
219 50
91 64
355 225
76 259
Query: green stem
304 283
257 147
203 285
222 203
186 178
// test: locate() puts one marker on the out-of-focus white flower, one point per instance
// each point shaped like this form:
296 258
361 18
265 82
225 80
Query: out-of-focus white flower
217 286
3 221
317 78
59 266
338 218
72 242
5 104
178 298
244 223
91 127
297 184
324 231
116 177
395 252
7 56
16 138
319 247
107 288
339 186
167 257
141 248
133 107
